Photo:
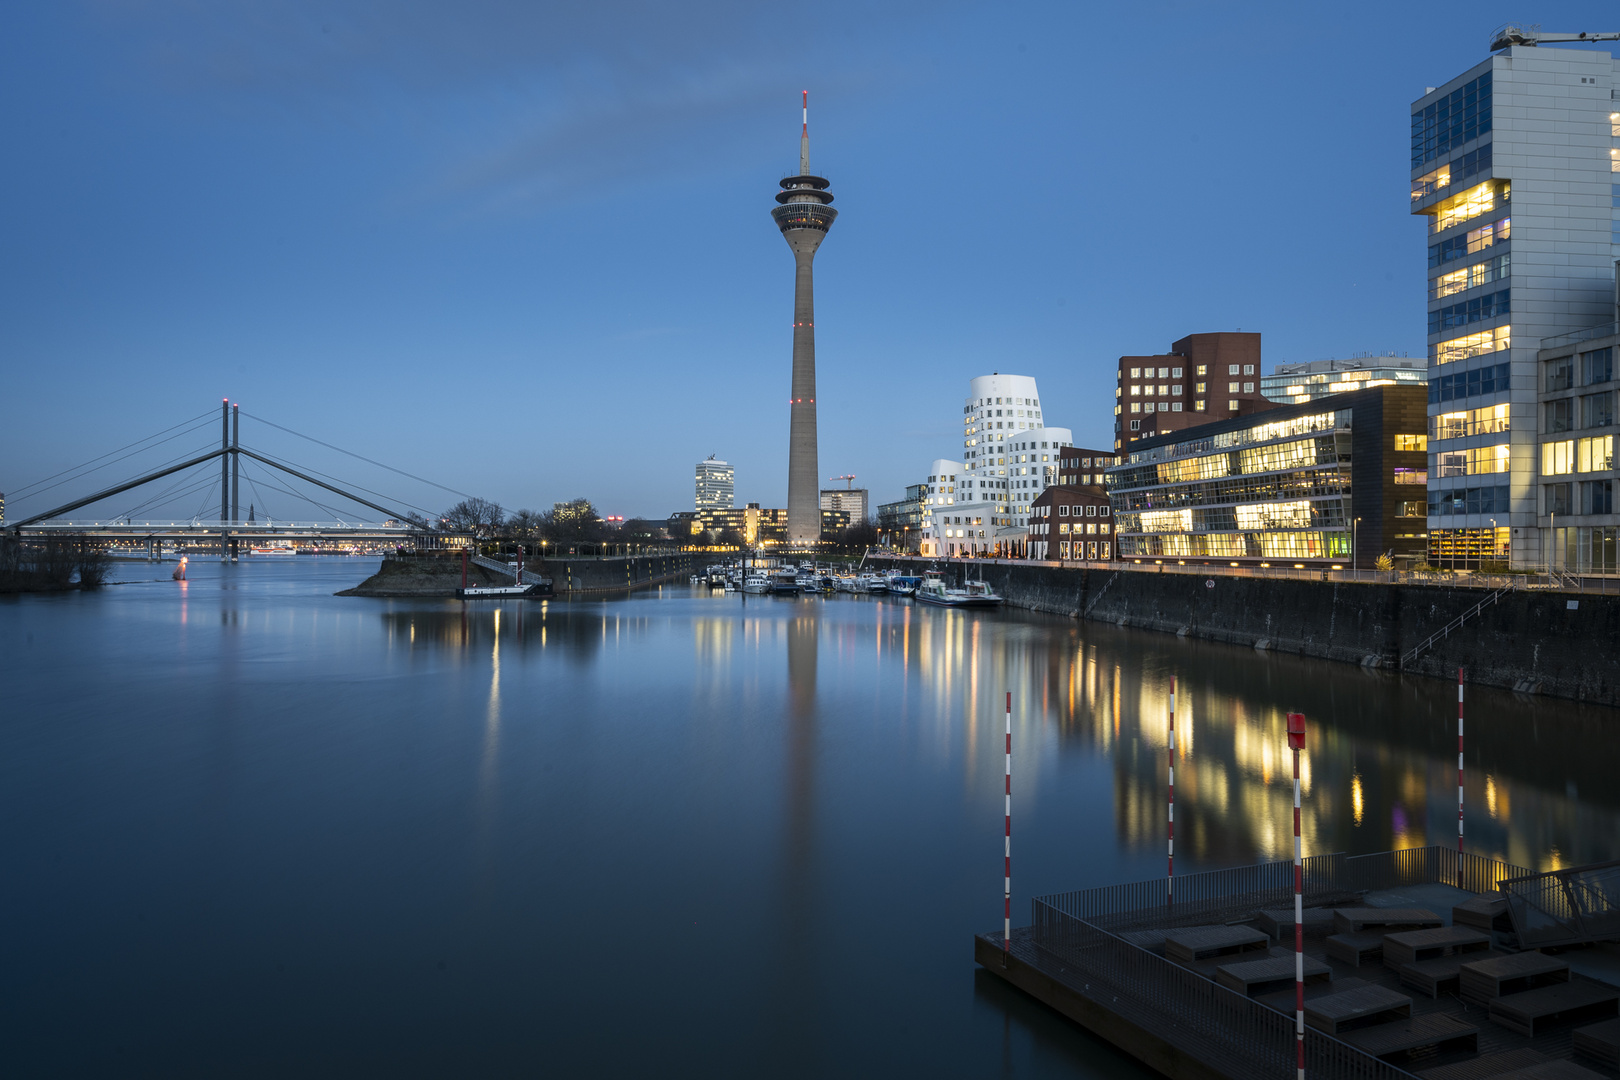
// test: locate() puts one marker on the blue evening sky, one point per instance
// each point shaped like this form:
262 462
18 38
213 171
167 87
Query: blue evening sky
524 249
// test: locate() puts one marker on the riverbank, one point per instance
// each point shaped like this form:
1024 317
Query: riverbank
441 575
1532 641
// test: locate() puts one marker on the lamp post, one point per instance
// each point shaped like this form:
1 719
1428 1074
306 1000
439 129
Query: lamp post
1355 544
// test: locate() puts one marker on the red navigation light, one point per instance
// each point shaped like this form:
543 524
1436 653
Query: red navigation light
1296 731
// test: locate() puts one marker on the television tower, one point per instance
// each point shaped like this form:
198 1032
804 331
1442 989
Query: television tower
804 217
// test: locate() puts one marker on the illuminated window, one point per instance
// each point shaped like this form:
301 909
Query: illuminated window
1135 390
1558 458
1469 277
1136 406
1471 243
1412 476
1164 373
1467 205
1136 373
1614 124
1594 454
1198 388
1480 459
1431 183
1164 389
1232 405
1198 406
1461 348
1411 442
1231 388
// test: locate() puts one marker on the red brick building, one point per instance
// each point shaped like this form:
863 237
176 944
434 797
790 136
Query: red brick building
1073 524
1079 467
1203 377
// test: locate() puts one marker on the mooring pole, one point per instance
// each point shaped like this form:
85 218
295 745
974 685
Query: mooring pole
1006 898
1296 742
224 475
1170 878
463 568
1459 778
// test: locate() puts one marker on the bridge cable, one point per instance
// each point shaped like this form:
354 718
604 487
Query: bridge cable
162 465
351 453
83 470
206 500
163 496
282 486
431 514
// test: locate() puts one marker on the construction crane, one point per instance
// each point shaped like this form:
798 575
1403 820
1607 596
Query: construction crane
1532 35
848 478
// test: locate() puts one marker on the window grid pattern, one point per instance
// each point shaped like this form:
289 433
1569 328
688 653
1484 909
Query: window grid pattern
1448 122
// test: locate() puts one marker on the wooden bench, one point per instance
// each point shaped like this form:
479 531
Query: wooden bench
1363 1007
1439 976
1151 940
1283 1000
1483 913
1192 943
1250 976
1483 981
1280 922
1600 1042
1349 920
1551 1070
1411 946
1569 1002
1439 1030
1486 1066
1355 949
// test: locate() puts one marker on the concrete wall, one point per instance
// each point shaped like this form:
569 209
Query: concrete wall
1534 642
576 576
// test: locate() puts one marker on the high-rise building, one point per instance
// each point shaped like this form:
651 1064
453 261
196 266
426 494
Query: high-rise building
851 501
1295 384
1515 164
716 485
1204 377
804 216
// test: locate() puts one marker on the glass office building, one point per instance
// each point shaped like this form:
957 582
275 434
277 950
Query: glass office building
1335 482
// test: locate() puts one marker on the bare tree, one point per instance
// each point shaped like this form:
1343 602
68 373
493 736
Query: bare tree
480 517
573 520
525 524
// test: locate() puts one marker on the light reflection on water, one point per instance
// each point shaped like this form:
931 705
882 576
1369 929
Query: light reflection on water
747 825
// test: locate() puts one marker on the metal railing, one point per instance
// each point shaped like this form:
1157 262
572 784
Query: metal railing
1606 330
1572 906
1445 631
1229 1031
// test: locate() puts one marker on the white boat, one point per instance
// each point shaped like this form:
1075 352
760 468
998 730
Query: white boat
872 583
976 594
757 583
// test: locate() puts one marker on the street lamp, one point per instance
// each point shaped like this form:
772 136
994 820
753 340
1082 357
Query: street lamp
1355 544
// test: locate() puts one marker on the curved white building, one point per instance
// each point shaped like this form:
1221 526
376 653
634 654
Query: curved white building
1009 456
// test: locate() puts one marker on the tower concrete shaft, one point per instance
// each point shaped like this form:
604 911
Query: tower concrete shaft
804 216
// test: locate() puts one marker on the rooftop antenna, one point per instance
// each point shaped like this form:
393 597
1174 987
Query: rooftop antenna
804 139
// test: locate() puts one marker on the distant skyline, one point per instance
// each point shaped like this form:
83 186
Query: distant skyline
525 250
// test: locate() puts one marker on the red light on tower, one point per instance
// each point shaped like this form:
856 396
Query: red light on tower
1296 731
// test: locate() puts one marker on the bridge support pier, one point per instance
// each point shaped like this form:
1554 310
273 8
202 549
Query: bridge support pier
234 542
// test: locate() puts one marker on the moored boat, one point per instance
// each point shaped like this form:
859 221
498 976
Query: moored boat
977 594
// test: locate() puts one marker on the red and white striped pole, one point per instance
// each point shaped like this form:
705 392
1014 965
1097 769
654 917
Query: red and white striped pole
1459 778
1170 878
1006 899
1296 742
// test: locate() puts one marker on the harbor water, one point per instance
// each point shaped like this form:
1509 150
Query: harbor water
254 829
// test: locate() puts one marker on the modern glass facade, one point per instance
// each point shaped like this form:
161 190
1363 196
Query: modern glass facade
1296 384
1283 490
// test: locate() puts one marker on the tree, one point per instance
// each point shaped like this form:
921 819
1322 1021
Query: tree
525 524
573 520
730 536
481 517
642 530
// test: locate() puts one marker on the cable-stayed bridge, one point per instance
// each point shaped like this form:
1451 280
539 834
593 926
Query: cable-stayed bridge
218 474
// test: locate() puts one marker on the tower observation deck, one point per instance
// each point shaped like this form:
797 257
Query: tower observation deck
804 215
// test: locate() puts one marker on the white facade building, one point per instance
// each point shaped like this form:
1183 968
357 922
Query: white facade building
1009 457
1515 164
716 485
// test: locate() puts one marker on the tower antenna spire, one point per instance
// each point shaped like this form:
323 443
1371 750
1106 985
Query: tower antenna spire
804 139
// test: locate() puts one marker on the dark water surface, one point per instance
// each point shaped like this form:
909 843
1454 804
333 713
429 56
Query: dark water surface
252 829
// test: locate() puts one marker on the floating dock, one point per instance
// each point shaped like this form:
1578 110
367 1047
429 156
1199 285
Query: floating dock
1421 963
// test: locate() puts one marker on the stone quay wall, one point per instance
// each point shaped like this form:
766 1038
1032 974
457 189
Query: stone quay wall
1561 644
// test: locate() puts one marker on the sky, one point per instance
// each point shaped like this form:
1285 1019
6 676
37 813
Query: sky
524 250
